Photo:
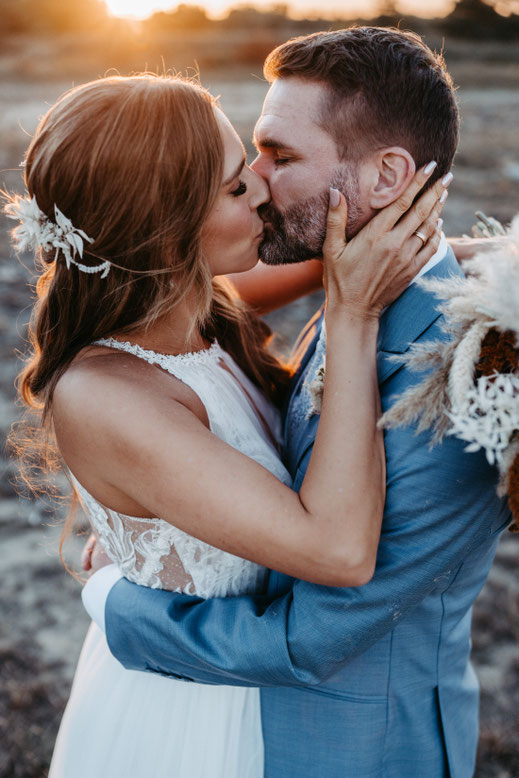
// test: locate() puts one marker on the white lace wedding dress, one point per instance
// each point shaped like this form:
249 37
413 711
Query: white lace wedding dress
125 724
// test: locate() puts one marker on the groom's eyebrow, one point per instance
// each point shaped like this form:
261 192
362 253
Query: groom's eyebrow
236 172
270 143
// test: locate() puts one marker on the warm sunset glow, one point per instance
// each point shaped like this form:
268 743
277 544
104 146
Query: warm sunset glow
140 9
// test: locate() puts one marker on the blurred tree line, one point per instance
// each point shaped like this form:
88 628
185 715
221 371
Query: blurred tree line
50 16
469 19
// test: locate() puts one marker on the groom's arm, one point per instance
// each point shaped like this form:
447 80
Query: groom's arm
440 508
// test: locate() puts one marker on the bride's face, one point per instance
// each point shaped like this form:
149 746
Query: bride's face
234 230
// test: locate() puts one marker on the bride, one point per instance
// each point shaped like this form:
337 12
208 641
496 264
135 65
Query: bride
154 380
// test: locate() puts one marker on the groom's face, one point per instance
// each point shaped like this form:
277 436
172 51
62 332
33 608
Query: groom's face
299 160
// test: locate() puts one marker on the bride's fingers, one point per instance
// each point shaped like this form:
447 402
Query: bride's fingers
426 230
418 249
387 218
427 251
335 240
432 200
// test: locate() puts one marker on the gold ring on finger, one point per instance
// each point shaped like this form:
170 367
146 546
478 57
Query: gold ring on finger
421 236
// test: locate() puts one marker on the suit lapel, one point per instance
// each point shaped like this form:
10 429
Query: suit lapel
400 326
301 355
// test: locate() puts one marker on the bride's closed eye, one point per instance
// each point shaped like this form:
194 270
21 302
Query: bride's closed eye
240 189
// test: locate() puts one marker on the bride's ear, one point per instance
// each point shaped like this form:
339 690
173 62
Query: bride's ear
392 171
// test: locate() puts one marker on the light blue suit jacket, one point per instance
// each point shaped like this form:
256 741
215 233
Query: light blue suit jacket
361 682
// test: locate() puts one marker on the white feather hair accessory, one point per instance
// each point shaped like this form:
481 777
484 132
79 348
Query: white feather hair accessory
36 230
472 388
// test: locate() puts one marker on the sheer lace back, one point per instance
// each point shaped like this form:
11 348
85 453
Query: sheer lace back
154 553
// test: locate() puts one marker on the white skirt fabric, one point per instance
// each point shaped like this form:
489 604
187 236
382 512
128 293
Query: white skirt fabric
127 724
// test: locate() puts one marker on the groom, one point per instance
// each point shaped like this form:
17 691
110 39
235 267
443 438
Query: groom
370 681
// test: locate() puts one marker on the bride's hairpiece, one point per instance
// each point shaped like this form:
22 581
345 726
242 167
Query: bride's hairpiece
36 230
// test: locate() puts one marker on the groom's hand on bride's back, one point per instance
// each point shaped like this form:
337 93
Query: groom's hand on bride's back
93 556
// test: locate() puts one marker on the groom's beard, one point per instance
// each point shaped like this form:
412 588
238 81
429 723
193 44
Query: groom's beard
298 233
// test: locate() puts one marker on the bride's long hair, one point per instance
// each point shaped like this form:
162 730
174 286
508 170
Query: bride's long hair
136 163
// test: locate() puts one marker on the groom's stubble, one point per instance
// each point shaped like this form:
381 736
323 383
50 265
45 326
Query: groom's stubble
297 234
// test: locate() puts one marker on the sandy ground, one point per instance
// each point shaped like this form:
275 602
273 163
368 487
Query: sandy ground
42 623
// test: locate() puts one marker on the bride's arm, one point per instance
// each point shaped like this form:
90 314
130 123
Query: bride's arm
168 462
467 248
268 287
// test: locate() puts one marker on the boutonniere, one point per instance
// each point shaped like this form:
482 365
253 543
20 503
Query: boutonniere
315 389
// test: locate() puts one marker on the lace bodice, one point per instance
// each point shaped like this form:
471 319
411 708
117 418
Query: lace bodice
152 552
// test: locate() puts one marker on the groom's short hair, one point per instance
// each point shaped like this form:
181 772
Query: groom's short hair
384 88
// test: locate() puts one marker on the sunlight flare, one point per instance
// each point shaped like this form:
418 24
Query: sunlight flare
140 9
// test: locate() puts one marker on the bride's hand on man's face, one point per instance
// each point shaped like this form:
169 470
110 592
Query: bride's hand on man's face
378 264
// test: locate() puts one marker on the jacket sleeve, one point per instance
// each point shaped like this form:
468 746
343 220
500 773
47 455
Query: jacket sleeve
441 507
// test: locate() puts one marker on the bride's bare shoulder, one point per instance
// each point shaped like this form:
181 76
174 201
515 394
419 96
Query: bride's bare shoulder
105 406
100 381
97 372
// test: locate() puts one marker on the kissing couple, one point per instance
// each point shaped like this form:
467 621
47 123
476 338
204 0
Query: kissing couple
302 606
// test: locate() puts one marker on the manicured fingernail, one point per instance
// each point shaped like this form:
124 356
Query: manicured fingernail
439 225
430 167
335 197
444 196
447 179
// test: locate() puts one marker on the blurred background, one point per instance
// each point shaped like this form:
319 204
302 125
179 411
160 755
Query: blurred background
46 47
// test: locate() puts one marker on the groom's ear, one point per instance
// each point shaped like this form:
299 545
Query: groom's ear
392 169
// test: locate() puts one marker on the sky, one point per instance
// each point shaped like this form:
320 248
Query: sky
142 8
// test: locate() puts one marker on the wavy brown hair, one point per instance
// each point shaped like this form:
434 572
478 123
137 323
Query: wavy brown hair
136 163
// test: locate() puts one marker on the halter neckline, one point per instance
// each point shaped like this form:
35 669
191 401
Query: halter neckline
203 355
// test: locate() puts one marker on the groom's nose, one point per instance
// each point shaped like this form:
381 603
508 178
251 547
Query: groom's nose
262 191
260 167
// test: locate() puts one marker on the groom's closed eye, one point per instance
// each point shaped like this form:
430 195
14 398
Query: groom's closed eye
277 154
